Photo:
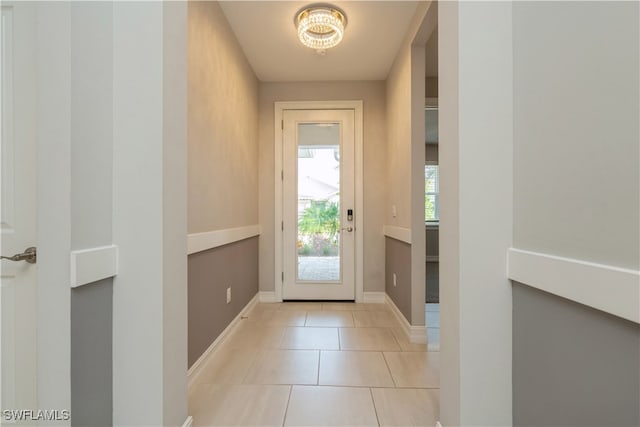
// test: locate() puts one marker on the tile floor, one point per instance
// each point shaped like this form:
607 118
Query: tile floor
319 364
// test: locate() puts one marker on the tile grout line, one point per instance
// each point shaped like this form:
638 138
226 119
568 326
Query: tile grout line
389 369
375 410
395 338
318 373
286 410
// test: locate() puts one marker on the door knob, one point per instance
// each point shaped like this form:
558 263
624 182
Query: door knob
349 229
28 255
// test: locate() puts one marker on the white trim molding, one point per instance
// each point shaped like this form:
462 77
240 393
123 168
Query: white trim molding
358 109
196 368
268 297
188 422
198 242
607 288
374 297
399 233
91 265
416 334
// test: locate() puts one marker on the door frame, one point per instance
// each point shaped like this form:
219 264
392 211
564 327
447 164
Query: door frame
357 107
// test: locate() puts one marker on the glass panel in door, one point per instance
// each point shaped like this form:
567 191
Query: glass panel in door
318 195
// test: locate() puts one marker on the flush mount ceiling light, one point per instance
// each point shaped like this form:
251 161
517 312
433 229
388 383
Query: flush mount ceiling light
320 26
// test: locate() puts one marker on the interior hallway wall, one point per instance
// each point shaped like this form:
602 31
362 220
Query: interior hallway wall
577 196
223 172
374 121
404 208
223 125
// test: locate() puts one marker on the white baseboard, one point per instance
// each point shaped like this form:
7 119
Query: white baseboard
416 334
267 296
195 369
374 297
188 422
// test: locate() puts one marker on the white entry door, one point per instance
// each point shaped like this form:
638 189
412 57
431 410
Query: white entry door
318 205
18 296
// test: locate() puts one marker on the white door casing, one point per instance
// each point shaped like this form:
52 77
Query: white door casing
356 109
18 294
310 135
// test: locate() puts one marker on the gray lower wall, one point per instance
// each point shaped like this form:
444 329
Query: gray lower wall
432 267
210 274
398 261
572 365
91 354
432 246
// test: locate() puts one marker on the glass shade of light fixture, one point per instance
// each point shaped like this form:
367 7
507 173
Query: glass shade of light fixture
320 27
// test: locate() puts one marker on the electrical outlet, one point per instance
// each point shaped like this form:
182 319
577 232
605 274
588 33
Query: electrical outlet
395 280
228 295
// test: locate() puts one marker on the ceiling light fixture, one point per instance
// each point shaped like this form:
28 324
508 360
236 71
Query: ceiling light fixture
320 26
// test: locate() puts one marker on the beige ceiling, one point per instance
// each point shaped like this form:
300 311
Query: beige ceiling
374 33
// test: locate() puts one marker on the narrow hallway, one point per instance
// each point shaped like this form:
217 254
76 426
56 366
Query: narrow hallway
329 364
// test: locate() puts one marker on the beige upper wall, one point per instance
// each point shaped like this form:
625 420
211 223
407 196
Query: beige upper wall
399 141
373 96
222 125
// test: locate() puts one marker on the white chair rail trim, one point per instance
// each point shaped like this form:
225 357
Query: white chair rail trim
93 264
607 288
198 242
398 233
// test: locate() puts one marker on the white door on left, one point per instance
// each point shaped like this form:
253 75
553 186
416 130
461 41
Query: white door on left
18 296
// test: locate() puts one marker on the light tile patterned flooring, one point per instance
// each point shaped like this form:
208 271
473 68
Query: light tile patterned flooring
319 364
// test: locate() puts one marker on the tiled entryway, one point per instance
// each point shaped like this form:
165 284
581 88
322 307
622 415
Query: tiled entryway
318 364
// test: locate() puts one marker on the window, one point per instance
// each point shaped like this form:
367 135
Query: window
431 193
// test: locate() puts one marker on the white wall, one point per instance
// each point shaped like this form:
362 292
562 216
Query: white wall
449 230
174 208
54 197
577 119
149 214
476 131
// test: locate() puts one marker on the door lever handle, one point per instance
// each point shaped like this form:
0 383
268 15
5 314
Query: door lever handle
349 229
29 255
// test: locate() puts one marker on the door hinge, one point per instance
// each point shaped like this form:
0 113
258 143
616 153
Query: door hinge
282 124
283 276
282 175
282 225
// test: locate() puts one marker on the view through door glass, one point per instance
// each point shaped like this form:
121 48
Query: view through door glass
318 202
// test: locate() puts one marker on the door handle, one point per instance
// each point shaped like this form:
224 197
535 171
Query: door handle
349 229
28 255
